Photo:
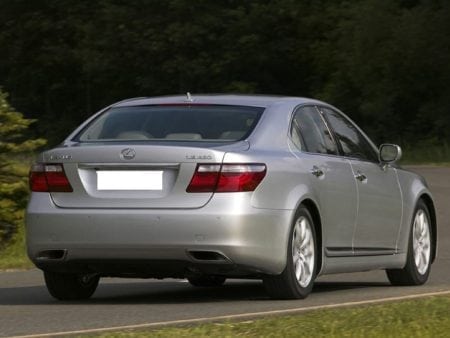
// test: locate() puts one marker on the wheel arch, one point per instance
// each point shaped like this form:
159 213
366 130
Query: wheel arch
317 222
432 211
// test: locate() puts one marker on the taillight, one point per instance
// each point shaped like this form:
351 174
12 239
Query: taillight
205 178
49 178
227 177
240 177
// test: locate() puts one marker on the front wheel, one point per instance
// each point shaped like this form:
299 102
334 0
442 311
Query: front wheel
418 262
68 286
297 279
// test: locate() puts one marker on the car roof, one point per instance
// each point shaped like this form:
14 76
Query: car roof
221 99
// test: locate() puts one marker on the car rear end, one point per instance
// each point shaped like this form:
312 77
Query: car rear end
148 190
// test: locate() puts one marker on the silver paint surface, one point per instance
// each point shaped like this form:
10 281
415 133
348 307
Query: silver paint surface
249 228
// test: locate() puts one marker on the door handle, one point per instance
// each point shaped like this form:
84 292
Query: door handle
316 171
360 176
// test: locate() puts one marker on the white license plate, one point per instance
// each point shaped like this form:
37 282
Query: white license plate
129 180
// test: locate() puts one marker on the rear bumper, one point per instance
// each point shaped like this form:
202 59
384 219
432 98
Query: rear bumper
160 242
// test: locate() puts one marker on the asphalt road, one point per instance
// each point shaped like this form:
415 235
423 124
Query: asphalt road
26 308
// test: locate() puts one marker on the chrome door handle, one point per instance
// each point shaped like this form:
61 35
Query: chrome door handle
316 171
360 176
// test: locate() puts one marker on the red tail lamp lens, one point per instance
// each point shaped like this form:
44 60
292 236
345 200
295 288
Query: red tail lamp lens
49 178
205 178
227 177
240 177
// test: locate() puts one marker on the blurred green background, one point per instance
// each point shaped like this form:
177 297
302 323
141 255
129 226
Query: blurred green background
384 62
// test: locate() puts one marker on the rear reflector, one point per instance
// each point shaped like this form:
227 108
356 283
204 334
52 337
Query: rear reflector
49 178
227 177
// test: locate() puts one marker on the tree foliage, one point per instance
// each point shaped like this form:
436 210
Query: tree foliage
385 63
13 172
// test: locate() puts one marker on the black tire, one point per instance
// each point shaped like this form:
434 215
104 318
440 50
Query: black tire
68 286
206 281
286 285
410 275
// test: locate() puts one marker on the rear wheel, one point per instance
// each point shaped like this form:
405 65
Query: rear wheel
297 279
418 263
68 286
206 281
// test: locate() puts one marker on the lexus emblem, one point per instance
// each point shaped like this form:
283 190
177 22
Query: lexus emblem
128 153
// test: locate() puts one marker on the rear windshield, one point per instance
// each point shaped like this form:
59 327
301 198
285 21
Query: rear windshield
172 123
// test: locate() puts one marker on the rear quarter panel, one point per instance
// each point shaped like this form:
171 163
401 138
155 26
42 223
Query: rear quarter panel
285 184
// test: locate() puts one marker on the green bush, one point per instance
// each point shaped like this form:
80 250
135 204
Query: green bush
15 151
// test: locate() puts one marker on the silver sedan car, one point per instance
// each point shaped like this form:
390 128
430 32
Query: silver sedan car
210 187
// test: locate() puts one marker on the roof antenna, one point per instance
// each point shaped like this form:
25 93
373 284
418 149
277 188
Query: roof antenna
189 97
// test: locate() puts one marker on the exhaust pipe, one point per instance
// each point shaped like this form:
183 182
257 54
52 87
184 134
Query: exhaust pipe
208 256
51 255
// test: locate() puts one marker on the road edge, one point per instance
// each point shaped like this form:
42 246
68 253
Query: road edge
250 315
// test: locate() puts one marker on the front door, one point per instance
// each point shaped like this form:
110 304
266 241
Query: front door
379 208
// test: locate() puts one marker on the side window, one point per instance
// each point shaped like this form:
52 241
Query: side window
309 132
352 142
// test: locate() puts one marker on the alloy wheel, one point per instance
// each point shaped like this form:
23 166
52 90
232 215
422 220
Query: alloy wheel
421 242
303 254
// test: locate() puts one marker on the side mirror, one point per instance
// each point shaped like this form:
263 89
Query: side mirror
390 153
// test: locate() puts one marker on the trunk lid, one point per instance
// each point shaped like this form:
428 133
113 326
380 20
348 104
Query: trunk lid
134 176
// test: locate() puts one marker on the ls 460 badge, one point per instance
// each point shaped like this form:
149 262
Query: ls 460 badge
60 157
199 157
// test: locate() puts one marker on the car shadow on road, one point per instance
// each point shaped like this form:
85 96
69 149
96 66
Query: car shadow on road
320 287
168 293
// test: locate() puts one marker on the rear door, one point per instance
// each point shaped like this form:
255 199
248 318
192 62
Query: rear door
330 175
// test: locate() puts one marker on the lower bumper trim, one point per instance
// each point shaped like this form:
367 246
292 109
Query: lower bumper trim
144 268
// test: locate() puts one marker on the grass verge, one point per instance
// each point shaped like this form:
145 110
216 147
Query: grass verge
428 317
430 154
14 255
